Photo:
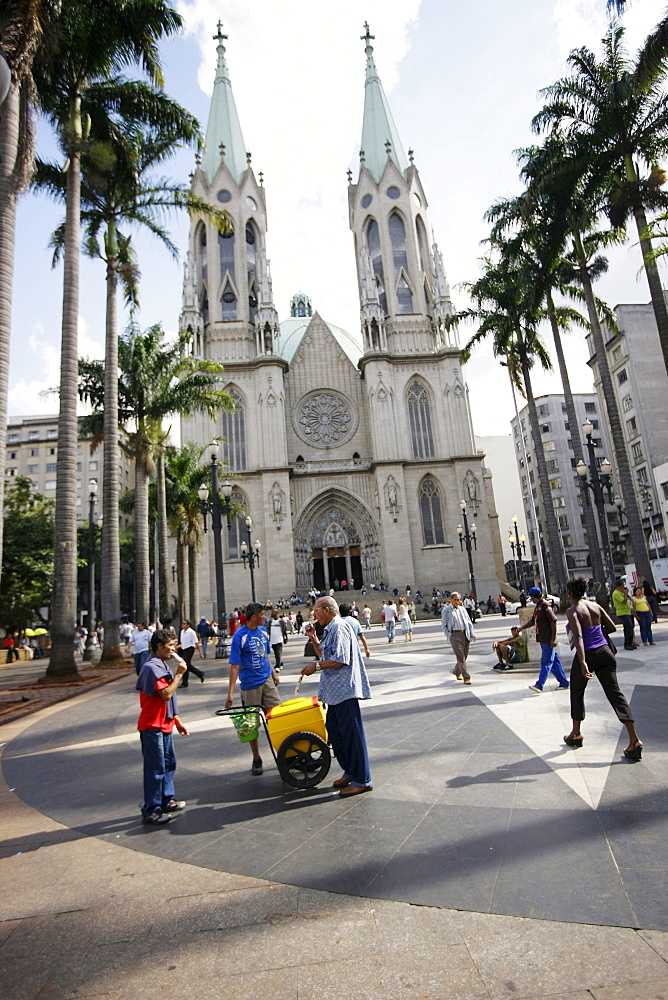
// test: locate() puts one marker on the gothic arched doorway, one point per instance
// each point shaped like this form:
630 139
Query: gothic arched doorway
336 539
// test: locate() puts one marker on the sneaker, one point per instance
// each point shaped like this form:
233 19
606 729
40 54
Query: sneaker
257 766
499 666
174 806
534 687
156 818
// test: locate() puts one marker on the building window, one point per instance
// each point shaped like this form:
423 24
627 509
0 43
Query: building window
13 439
50 466
373 244
548 446
553 465
664 490
563 521
238 531
419 415
545 428
50 484
11 472
226 250
627 403
555 484
52 451
228 303
558 502
567 540
636 450
622 376
78 466
33 470
430 510
33 435
543 410
203 259
33 452
52 432
590 407
422 246
92 466
234 433
642 476
12 455
632 427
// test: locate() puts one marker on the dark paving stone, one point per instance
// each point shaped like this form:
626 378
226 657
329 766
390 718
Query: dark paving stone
647 891
637 839
557 865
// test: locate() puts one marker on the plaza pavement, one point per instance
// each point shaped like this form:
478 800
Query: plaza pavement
489 861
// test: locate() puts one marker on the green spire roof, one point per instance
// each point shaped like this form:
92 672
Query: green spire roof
378 128
223 123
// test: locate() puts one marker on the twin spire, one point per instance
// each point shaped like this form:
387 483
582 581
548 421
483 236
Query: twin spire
380 138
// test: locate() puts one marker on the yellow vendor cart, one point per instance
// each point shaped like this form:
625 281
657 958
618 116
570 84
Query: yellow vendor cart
297 736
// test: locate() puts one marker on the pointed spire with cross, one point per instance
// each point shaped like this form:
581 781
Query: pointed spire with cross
367 37
219 36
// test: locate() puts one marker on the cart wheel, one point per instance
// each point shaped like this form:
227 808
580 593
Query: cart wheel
303 760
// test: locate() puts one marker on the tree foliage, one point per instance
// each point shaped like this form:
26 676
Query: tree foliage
28 556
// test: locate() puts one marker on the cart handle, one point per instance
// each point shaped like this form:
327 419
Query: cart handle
257 709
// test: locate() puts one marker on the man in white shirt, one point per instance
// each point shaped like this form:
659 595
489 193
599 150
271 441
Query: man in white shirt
188 642
390 612
278 634
458 628
141 645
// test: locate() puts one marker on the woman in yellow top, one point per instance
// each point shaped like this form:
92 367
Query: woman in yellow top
643 613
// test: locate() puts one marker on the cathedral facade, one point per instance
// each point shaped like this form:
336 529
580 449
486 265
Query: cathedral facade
351 453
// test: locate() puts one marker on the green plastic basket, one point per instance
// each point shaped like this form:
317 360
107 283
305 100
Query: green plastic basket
246 725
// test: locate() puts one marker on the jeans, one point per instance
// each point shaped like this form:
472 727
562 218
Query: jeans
549 661
627 625
389 628
645 623
159 767
346 734
140 659
204 639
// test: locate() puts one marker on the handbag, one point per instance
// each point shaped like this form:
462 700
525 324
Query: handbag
308 648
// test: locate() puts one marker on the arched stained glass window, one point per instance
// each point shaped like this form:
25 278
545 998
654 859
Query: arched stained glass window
251 245
419 417
238 532
228 302
203 259
204 307
373 243
234 433
226 250
399 255
430 511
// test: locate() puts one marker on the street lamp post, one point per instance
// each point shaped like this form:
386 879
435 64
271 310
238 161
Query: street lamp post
468 537
250 555
518 545
599 482
88 650
216 507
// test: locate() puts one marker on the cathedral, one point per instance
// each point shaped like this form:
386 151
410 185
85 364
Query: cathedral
351 452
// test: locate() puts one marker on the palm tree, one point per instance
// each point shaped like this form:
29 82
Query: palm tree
21 26
553 173
118 190
506 310
614 114
76 77
156 380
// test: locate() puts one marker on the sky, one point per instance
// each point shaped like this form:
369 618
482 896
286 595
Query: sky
463 83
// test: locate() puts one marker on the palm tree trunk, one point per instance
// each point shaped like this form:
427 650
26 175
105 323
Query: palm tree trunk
64 602
550 518
193 583
110 581
626 483
180 576
142 555
654 282
9 138
164 610
578 455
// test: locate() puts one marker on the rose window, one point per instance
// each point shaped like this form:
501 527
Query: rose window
324 419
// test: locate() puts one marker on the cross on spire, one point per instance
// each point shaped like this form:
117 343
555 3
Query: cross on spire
219 36
367 36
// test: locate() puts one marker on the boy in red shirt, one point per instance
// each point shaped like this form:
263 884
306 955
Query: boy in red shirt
157 718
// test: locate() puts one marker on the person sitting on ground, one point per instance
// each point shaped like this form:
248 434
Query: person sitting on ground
510 651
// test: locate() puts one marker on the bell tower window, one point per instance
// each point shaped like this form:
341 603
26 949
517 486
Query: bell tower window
228 303
397 232
419 418
226 250
373 244
203 260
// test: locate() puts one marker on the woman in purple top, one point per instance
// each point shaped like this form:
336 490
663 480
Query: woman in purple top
593 655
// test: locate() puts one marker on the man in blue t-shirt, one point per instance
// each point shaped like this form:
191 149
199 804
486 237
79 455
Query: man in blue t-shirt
249 662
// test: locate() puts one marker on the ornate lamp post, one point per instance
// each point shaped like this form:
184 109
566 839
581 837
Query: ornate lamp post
88 650
599 481
251 556
215 507
517 543
468 537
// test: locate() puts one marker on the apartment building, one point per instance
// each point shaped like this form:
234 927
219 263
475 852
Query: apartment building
641 387
566 491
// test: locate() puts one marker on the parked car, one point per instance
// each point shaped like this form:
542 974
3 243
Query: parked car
512 606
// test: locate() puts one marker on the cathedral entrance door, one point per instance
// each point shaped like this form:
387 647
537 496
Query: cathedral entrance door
336 539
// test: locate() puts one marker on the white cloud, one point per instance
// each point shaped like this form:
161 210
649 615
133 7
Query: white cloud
584 22
36 395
